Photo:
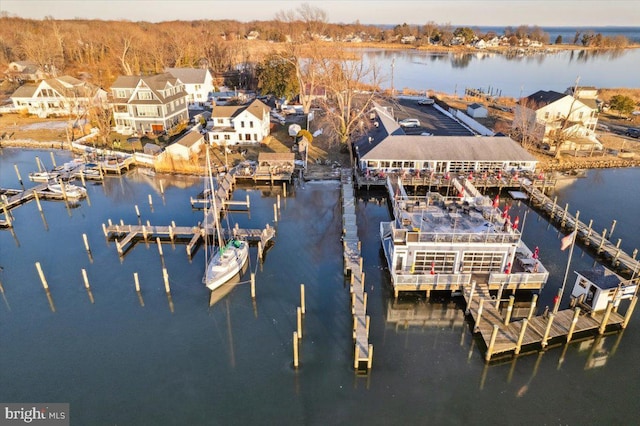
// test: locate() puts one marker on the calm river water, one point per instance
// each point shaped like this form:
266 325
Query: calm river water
514 77
117 362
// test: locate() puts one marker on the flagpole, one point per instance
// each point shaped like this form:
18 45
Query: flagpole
566 272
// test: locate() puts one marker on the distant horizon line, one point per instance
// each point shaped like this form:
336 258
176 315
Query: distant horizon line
9 15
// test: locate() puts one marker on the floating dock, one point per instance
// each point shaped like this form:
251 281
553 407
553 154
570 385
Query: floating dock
363 351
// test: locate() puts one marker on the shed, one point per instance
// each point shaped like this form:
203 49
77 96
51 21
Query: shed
596 287
152 149
188 144
477 110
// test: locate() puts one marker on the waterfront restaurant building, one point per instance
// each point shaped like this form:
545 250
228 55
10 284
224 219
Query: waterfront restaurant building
388 148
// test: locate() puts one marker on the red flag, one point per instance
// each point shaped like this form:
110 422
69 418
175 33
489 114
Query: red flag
470 175
446 175
499 175
541 176
536 253
516 222
433 268
496 201
515 177
567 240
461 193
507 270
505 212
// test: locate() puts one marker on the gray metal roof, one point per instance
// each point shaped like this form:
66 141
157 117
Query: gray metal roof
447 148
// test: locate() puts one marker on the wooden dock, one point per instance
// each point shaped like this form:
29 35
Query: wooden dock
598 242
363 351
503 337
125 236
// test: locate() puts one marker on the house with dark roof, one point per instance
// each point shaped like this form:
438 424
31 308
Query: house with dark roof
387 148
244 124
144 104
60 96
198 83
595 288
548 116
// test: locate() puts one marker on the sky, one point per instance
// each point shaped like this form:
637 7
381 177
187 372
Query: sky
456 12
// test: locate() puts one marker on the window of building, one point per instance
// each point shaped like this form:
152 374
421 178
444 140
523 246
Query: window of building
145 96
251 124
546 115
482 261
227 137
147 111
242 124
216 137
442 262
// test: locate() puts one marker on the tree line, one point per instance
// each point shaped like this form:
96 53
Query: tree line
102 50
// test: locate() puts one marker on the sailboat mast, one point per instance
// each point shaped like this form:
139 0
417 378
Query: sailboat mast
214 210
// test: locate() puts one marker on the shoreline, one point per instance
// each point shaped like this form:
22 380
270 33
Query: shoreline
550 165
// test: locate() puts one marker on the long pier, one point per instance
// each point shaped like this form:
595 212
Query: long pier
363 351
612 253
503 337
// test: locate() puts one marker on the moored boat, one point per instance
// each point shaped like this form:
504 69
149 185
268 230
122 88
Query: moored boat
43 176
70 191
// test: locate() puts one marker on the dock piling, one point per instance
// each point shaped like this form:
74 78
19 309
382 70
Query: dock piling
137 211
53 159
532 309
159 246
492 342
507 317
627 315
547 330
136 281
302 301
42 277
295 349
150 201
477 326
525 323
86 243
165 276
605 318
299 315
15 166
613 226
253 285
370 360
574 321
275 213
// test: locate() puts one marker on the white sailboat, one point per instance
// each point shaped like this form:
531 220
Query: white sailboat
230 257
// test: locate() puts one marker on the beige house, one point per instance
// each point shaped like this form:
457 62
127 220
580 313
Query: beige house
59 96
198 83
189 144
22 71
142 104
546 114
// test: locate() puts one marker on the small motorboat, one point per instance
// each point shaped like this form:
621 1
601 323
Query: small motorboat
43 176
72 192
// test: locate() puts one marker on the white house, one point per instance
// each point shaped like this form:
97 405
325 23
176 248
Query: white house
595 288
546 113
189 144
57 97
154 103
198 83
477 110
246 124
21 71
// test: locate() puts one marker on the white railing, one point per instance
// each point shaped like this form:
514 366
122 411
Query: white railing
406 278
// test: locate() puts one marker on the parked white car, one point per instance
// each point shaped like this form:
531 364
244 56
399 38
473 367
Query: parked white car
427 101
409 122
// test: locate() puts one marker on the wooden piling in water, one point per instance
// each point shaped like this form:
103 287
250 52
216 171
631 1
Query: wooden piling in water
284 189
471 294
42 278
253 285
525 323
613 226
479 318
507 317
278 201
302 301
86 242
295 349
356 355
137 211
165 275
627 315
367 324
492 342
53 159
159 246
7 215
532 309
136 281
370 359
574 321
38 164
605 318
150 201
275 213
15 166
547 330
299 315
